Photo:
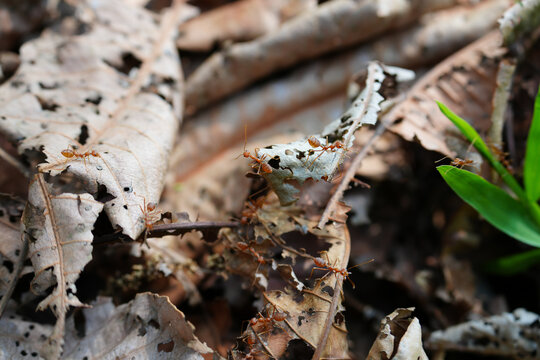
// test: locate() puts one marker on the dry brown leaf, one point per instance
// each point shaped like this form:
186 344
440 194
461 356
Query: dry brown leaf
513 335
400 338
464 82
334 25
148 327
114 90
314 316
252 18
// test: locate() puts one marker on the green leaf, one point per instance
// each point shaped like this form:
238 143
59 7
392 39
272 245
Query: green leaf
514 264
531 172
468 131
496 206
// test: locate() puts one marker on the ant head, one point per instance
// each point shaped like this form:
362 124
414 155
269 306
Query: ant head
151 206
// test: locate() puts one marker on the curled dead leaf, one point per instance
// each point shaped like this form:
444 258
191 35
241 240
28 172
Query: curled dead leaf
400 338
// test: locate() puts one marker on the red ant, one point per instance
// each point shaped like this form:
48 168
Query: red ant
270 319
242 246
315 143
322 264
460 163
151 215
502 157
251 340
251 210
259 159
72 153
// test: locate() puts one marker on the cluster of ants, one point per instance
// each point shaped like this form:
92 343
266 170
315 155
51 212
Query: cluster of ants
264 167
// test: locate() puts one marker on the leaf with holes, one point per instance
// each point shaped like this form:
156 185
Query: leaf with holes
59 229
319 156
148 327
102 104
11 246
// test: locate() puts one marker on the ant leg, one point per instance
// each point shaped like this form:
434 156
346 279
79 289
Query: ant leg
315 268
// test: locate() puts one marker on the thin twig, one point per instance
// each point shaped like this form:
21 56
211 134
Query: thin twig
349 175
170 229
182 228
15 276
335 298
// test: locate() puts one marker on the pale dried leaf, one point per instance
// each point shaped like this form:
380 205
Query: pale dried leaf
22 339
10 238
333 25
515 335
113 89
294 163
400 338
252 18
464 82
148 327
59 228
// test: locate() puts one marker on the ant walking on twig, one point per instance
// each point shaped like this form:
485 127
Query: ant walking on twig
321 264
150 214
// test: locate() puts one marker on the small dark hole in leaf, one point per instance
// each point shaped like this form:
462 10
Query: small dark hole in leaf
24 353
142 331
129 61
52 86
274 162
47 104
125 207
84 135
96 100
80 323
299 350
166 347
34 354
8 264
26 335
153 323
329 290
